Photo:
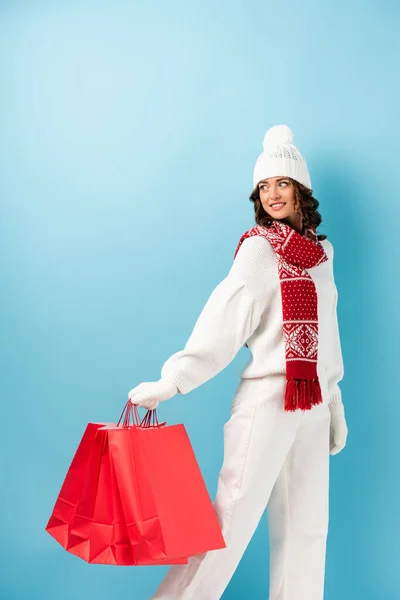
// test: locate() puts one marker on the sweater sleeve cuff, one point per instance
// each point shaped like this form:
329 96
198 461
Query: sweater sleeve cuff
335 398
177 380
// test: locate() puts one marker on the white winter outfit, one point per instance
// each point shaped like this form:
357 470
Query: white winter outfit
273 459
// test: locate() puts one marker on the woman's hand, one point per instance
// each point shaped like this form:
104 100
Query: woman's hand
150 393
338 428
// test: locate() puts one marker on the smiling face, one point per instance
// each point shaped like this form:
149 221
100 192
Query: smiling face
280 191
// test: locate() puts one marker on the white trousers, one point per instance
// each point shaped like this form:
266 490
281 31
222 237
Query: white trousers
274 460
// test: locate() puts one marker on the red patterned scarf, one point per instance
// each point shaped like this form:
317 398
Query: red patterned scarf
294 254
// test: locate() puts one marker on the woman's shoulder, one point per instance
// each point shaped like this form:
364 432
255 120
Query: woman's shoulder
255 256
328 247
255 247
255 265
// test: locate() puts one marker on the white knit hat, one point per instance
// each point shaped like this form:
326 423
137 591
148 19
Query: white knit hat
280 157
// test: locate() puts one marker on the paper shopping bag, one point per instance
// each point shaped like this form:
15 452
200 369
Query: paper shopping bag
157 466
139 500
71 488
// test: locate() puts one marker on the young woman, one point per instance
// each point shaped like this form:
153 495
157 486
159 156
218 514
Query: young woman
280 299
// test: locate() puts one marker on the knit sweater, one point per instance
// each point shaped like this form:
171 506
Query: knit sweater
246 306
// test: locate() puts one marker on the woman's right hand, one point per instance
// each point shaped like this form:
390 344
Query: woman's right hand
150 393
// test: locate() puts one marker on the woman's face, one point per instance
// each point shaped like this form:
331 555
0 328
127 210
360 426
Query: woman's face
278 190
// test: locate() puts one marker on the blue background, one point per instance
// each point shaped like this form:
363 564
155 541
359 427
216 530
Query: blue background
129 133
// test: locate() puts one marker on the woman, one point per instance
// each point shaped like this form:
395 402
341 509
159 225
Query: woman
287 415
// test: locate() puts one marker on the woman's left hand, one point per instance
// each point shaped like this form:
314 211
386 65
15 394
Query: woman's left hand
338 428
150 393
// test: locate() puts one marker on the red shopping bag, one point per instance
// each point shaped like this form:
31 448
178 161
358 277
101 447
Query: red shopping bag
71 488
157 465
134 495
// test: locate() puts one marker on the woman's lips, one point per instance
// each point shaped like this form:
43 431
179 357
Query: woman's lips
281 205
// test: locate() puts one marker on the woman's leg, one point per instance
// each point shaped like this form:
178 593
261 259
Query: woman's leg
298 513
257 439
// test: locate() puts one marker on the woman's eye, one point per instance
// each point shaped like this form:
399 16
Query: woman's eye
262 187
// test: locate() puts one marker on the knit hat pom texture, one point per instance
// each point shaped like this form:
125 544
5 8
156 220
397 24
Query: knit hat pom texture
276 136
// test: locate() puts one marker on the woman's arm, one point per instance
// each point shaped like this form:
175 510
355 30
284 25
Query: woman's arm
335 368
230 316
338 430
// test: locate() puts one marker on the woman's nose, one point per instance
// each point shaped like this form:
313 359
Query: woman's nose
274 193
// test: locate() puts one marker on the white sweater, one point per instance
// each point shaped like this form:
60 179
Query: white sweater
246 306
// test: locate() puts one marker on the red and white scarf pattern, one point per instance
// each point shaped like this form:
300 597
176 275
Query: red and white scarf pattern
295 253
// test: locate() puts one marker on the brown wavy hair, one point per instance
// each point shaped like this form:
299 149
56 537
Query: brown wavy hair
304 202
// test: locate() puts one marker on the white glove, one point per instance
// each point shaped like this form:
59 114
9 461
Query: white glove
150 393
338 428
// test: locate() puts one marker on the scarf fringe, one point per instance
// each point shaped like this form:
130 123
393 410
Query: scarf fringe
302 394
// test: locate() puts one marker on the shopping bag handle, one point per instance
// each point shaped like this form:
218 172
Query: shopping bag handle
150 419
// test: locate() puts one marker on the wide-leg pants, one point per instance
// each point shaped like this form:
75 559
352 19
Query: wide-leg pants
274 460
